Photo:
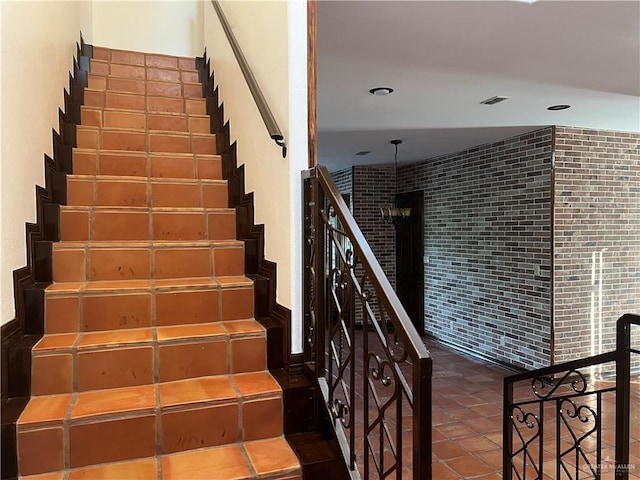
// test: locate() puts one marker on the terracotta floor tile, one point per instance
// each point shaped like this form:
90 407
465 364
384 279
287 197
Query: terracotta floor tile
128 85
122 439
189 307
163 74
41 410
45 476
186 63
447 449
161 61
172 123
270 456
55 342
115 400
127 71
115 367
441 471
129 164
243 327
191 77
237 303
235 281
40 451
115 337
167 284
256 383
68 265
177 332
111 312
189 360
119 264
137 469
128 58
169 89
165 194
469 466
52 374
228 462
172 167
262 418
196 390
248 354
178 226
61 315
195 106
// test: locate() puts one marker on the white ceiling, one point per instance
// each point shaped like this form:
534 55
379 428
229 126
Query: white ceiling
444 57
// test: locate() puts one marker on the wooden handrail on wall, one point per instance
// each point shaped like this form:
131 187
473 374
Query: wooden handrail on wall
258 97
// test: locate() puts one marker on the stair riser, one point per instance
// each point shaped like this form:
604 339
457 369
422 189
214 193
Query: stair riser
95 264
42 450
92 162
126 310
96 117
131 225
140 103
99 139
182 84
82 370
139 193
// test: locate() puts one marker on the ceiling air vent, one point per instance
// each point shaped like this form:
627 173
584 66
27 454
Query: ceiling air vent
494 100
363 152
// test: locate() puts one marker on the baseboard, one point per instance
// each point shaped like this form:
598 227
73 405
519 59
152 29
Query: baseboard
474 354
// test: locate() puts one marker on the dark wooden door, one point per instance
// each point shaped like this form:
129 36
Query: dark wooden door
409 258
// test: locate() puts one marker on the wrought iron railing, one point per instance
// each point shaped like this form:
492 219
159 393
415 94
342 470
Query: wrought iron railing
372 366
573 420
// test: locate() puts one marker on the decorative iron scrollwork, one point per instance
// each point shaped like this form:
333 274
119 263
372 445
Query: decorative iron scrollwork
579 385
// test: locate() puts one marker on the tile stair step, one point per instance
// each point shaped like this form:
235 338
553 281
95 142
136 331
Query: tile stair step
146 165
95 138
150 345
115 118
72 307
269 458
131 57
77 262
86 361
194 413
133 102
179 84
108 190
144 223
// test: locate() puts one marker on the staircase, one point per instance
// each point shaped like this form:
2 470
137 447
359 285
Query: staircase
152 364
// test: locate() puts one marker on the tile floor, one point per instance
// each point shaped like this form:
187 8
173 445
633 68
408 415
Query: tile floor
467 420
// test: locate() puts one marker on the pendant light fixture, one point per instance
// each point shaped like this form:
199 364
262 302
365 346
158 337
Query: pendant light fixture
395 213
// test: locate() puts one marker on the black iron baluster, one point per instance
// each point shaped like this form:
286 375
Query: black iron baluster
507 432
623 387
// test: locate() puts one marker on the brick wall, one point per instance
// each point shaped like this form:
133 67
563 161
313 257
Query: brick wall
344 181
373 188
596 222
487 224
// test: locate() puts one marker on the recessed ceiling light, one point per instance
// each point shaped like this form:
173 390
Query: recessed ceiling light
381 91
558 107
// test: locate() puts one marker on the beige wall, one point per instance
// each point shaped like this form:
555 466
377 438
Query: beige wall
38 42
171 27
272 35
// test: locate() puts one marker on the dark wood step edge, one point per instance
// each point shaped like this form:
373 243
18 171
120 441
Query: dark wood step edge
20 334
